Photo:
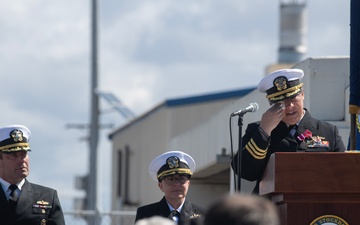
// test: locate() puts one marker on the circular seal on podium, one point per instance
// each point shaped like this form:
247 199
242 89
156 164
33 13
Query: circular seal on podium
329 220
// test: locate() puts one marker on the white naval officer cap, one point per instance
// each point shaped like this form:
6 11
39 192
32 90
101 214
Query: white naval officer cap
281 84
14 138
171 163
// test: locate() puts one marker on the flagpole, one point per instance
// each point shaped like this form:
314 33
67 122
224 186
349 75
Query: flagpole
352 145
354 102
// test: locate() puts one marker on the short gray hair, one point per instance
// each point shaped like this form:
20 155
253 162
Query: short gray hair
239 209
155 220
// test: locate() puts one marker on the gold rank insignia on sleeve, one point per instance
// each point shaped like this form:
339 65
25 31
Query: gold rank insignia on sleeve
255 151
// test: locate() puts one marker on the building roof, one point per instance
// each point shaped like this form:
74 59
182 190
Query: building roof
187 101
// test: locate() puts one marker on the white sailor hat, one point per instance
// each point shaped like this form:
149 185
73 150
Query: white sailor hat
281 84
14 138
171 163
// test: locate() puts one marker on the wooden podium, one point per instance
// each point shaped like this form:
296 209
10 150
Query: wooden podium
306 186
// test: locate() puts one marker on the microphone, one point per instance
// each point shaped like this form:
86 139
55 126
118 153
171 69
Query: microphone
253 107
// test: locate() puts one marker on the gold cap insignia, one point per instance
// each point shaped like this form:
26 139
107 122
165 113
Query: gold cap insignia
17 135
173 162
280 83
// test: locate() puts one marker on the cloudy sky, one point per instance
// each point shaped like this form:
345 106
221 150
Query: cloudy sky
149 51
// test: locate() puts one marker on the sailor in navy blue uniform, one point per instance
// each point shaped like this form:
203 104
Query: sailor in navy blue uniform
22 202
172 170
286 126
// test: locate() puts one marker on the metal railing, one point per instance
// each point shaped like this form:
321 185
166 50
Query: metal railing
83 217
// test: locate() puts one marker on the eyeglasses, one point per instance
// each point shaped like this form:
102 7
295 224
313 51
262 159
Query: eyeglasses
295 99
171 180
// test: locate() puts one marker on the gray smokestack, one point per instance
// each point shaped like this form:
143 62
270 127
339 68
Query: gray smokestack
292 32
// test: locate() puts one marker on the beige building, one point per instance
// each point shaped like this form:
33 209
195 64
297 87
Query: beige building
200 126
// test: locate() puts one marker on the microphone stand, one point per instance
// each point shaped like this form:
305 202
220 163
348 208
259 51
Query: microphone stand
239 158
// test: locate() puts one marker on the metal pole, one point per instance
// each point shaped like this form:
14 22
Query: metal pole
91 198
239 159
